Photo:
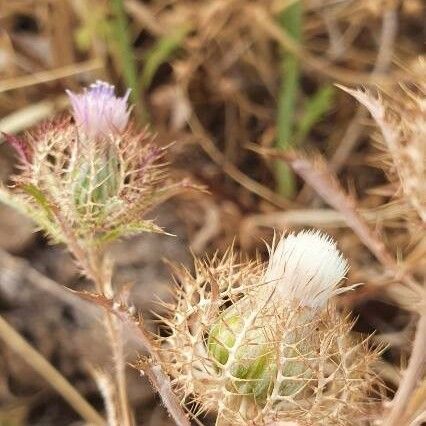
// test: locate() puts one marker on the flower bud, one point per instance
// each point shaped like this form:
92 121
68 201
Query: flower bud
302 272
253 366
256 342
93 177
96 185
305 269
98 112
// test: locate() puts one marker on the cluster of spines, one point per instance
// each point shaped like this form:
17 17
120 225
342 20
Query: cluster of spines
330 381
96 179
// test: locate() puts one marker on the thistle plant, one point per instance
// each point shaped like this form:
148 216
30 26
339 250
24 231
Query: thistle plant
87 179
90 178
259 343
254 342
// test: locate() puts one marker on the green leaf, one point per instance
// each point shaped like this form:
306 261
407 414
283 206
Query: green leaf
291 23
315 108
38 197
128 230
161 52
125 53
40 216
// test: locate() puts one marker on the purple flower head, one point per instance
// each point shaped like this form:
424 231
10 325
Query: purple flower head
98 112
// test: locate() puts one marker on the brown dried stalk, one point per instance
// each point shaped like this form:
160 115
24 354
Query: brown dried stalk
266 23
152 368
231 170
318 175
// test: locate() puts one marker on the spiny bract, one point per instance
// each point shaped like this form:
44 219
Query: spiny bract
91 176
261 343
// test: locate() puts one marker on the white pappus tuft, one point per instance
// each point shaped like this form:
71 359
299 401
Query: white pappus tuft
98 112
306 268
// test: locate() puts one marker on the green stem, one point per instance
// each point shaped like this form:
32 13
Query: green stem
126 57
291 21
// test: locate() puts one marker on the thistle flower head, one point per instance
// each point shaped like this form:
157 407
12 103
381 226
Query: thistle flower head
92 178
98 111
306 268
240 346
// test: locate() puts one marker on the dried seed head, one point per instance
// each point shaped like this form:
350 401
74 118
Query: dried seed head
400 116
306 268
98 112
254 352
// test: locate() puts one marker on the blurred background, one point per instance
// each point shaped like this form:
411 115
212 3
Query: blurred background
214 77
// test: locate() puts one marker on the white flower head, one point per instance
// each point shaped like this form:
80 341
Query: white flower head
98 112
306 268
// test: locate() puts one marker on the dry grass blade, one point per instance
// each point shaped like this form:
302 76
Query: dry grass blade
107 390
383 61
31 115
210 148
318 175
49 373
415 370
323 217
318 64
50 75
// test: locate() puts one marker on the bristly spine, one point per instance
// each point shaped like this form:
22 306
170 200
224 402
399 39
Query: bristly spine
256 351
91 176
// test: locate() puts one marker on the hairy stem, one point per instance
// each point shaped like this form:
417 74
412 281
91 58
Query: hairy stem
116 340
92 262
103 286
93 265
39 363
152 368
162 384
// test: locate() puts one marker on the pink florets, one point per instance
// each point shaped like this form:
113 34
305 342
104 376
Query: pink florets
98 112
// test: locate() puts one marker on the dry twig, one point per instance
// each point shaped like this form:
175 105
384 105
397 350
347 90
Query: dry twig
318 64
158 378
319 177
383 61
414 371
214 153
